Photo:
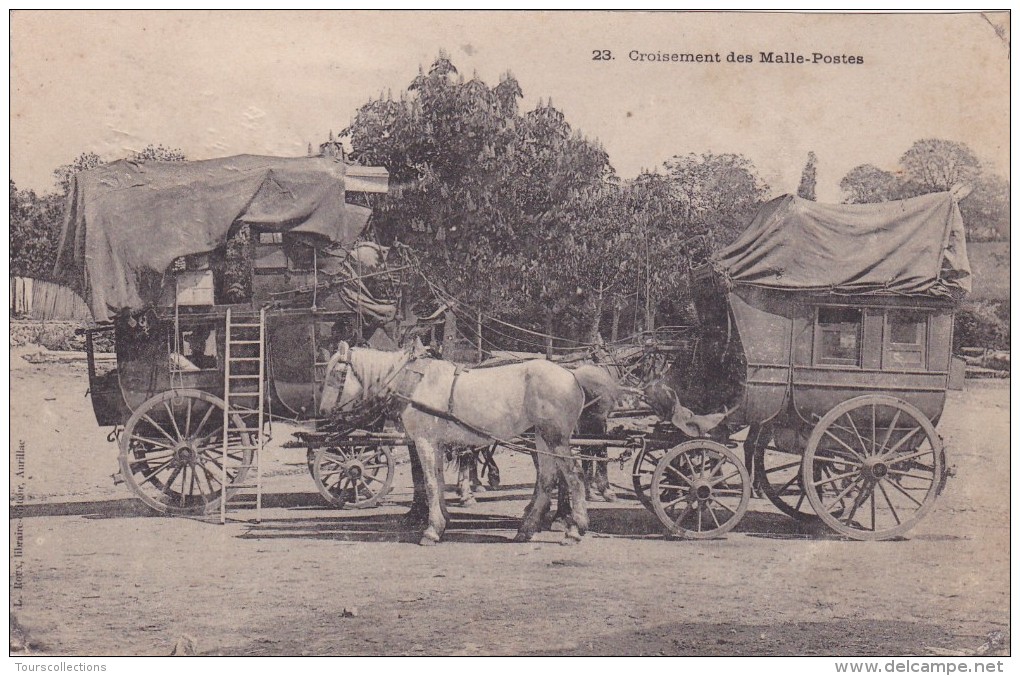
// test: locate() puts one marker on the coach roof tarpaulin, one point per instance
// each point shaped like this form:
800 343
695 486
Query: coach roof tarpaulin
913 247
126 222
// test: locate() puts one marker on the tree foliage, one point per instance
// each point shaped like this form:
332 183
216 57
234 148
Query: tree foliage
932 165
484 193
64 172
521 216
866 184
34 232
937 164
159 153
36 220
808 178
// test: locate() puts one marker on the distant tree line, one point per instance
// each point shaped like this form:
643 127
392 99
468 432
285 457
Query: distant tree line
521 218
36 220
932 165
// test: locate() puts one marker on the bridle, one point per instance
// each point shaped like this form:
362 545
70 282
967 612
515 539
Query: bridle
337 370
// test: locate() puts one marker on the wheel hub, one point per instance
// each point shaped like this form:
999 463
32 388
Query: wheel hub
185 453
875 468
355 470
702 490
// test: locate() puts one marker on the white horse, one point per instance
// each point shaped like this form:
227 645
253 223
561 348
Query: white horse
437 405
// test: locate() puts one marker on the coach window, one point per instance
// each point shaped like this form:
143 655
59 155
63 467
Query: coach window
838 336
905 334
269 255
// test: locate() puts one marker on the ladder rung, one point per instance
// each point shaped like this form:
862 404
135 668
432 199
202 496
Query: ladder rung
243 394
246 359
247 377
245 342
235 325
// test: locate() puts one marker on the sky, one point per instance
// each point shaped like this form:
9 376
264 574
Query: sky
224 83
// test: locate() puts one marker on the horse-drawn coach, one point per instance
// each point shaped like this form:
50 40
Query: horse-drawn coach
234 288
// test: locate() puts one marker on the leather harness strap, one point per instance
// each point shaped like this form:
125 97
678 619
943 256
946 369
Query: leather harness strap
457 370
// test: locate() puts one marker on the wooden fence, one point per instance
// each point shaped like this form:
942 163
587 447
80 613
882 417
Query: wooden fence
46 300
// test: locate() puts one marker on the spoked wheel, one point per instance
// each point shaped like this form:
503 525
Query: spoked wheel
353 476
700 489
641 473
777 473
876 467
171 452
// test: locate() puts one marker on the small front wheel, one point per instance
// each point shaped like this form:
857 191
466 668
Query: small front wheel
353 476
700 489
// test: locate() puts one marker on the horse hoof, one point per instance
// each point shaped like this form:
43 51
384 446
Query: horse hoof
609 496
523 537
558 526
427 542
570 541
470 502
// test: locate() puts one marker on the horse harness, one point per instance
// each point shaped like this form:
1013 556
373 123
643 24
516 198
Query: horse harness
411 374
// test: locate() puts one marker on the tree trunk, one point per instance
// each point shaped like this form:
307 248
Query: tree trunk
615 333
596 320
548 333
449 334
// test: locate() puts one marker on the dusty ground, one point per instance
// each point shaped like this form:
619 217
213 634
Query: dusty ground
102 576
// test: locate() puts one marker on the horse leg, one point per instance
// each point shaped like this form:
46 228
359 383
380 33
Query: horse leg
441 482
545 481
432 465
418 515
559 520
586 477
472 458
577 522
601 474
465 465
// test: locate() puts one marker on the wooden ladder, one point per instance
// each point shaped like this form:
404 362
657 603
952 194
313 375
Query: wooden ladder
244 384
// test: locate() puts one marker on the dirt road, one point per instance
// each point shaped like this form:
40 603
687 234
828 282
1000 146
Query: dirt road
100 575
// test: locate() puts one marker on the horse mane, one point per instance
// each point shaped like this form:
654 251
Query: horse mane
376 370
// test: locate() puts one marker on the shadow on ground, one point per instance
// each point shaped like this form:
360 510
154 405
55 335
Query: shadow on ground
843 637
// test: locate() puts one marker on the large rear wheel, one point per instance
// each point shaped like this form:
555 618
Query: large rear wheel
875 465
171 452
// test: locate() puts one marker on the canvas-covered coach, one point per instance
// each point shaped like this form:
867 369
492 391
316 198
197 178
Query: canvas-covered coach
827 329
226 284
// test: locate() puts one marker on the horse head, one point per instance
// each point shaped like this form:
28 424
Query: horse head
357 377
341 388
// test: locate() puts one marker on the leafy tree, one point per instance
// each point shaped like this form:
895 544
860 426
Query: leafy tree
933 165
985 210
806 189
63 173
717 194
937 164
34 232
866 183
487 196
159 153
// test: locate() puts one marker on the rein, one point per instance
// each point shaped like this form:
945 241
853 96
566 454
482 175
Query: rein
386 396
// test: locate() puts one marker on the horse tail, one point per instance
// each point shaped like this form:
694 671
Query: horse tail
601 395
